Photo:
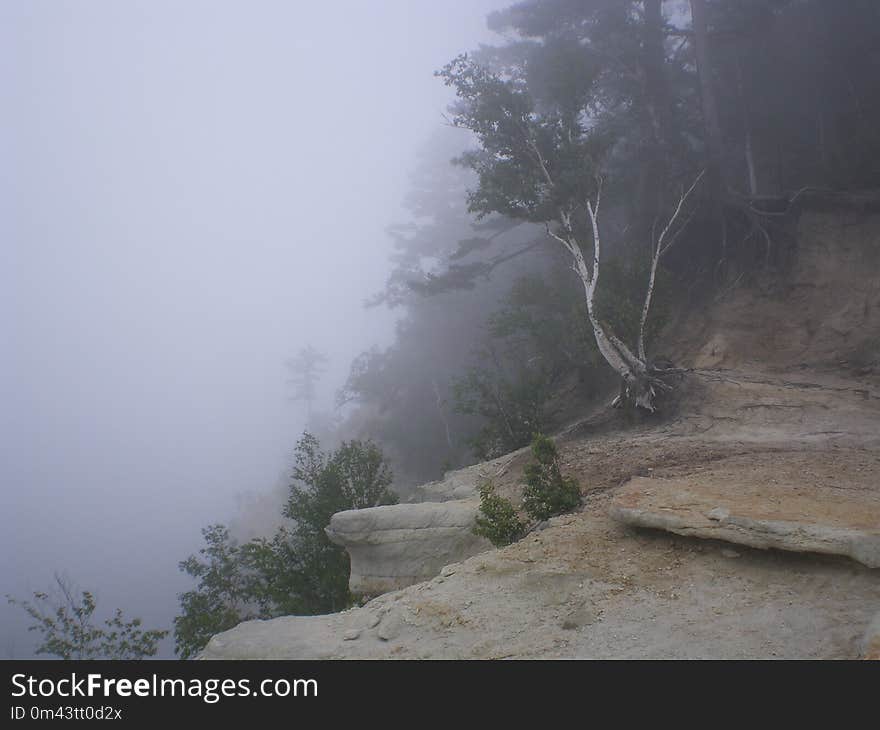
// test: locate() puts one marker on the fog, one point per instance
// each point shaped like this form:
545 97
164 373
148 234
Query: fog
190 192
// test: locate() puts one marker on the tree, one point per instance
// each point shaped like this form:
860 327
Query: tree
512 405
306 369
544 164
295 571
532 342
609 62
223 597
67 624
354 476
785 105
448 274
700 24
792 82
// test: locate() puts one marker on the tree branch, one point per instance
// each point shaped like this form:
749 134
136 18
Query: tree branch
658 251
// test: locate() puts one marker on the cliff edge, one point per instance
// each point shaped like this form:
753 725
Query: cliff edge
742 523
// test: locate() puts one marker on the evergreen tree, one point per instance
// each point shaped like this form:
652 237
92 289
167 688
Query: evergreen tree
306 369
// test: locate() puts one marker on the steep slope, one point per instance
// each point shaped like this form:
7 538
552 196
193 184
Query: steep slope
782 409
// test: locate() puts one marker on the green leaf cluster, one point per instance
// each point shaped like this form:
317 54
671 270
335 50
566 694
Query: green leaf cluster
547 491
498 521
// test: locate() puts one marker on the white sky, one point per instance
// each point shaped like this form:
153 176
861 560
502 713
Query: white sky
190 190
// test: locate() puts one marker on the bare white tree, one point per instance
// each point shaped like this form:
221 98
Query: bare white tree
537 169
640 380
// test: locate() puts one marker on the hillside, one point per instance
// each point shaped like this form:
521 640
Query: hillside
772 442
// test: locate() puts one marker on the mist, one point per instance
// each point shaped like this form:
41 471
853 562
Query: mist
190 193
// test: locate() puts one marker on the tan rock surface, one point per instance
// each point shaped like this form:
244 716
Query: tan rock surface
589 587
811 502
780 441
394 546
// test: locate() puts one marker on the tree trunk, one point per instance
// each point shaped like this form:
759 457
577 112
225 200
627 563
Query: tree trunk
653 61
747 129
442 412
639 380
711 124
636 384
658 113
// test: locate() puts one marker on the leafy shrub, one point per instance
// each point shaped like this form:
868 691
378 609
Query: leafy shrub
511 408
69 629
497 521
224 594
547 492
296 571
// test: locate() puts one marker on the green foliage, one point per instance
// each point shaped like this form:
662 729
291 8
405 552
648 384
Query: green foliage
355 476
222 598
497 521
538 336
514 132
69 631
297 570
511 406
547 492
614 84
620 298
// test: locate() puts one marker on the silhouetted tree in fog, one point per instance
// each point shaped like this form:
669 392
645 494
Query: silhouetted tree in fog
64 617
306 369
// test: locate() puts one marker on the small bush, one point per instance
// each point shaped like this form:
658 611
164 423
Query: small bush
497 521
547 492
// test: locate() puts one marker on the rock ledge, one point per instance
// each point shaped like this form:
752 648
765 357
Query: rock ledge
782 516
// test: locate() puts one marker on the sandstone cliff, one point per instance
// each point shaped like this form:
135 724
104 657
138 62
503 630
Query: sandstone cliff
774 443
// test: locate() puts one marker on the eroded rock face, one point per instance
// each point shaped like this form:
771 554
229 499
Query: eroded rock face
585 588
800 516
394 546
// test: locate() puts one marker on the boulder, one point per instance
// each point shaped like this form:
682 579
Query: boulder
786 515
395 546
